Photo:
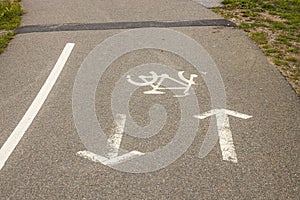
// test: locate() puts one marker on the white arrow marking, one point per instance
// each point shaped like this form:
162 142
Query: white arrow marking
113 142
224 132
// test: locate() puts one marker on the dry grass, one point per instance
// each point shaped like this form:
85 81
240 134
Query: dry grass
275 26
10 18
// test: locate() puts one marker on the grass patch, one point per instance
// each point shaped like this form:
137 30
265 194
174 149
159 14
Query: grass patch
10 18
275 26
259 37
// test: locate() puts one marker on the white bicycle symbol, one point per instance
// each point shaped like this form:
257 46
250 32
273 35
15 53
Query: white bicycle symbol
155 82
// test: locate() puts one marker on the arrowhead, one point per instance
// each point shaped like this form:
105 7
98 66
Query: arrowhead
207 114
200 116
237 114
222 111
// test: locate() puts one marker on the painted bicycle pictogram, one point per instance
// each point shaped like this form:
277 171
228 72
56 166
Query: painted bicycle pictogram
155 81
96 64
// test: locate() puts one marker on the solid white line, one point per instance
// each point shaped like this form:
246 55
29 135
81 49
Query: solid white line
15 137
114 141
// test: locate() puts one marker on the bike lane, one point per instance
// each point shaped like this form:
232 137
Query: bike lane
45 163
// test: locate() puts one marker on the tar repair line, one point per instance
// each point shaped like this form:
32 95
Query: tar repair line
122 25
13 140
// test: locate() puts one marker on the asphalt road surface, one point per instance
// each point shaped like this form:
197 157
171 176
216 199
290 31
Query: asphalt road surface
66 75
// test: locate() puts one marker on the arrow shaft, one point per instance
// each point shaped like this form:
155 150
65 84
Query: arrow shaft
114 141
225 138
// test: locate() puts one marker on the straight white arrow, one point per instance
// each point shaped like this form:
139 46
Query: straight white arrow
224 132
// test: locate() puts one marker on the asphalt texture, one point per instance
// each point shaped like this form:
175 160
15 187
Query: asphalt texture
210 3
44 165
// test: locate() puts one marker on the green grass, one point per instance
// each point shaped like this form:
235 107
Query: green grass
259 37
10 18
275 26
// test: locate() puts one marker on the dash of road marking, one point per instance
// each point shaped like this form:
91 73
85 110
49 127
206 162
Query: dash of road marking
15 137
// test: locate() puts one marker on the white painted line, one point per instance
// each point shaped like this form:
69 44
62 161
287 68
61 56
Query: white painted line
224 132
114 141
15 137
